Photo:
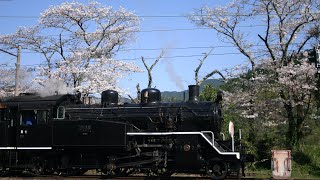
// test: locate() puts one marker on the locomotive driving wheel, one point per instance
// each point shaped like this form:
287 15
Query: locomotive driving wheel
216 168
39 166
3 172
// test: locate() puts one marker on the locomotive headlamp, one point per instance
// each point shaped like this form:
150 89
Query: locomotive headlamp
186 147
2 106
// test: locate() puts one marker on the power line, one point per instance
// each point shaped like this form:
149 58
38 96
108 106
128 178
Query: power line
173 48
169 16
153 49
198 28
155 30
165 57
184 56
19 17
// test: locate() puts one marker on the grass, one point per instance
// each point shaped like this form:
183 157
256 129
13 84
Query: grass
306 171
261 173
305 160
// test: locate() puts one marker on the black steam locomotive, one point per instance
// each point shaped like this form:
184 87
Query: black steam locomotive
60 134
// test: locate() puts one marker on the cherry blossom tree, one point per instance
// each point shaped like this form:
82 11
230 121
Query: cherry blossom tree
79 42
283 29
31 38
7 80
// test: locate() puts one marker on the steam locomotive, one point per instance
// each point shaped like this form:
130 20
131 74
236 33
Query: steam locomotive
60 134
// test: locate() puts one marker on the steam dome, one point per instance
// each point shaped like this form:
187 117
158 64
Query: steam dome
109 97
150 96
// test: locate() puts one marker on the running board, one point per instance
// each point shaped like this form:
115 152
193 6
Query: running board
25 148
202 133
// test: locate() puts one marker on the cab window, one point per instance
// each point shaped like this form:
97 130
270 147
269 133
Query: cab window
1 115
42 116
2 109
60 113
34 117
28 118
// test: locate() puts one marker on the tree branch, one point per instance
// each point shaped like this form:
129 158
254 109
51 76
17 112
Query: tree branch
149 69
196 72
211 74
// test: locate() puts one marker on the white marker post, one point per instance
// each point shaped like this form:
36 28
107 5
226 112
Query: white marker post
231 132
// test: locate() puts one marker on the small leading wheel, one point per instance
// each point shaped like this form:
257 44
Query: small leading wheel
216 168
161 172
123 171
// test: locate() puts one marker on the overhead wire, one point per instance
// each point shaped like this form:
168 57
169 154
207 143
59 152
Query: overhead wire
157 30
149 58
146 31
151 30
170 16
171 48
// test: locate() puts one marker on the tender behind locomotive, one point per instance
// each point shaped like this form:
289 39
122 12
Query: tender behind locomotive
60 134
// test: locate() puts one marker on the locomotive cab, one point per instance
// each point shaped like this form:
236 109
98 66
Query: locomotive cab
29 124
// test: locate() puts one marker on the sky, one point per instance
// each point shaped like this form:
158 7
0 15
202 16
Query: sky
163 26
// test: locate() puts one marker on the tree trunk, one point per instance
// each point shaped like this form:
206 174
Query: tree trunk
291 133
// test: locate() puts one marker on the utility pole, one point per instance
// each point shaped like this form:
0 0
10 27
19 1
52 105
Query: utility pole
16 92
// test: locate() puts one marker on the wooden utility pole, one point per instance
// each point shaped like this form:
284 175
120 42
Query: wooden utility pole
16 90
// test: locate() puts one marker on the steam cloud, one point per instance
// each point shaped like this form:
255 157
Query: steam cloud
54 86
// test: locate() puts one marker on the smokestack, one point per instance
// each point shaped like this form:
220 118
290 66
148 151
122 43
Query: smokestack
194 93
219 96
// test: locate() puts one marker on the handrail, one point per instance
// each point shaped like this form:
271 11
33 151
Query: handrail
141 107
212 135
211 142
223 136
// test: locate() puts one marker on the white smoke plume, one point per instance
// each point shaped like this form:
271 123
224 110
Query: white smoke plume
170 69
173 76
53 87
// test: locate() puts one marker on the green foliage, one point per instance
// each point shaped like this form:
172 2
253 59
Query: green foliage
305 159
209 93
307 155
229 85
171 99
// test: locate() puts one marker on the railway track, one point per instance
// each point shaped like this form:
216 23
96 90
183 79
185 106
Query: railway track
135 177
100 177
117 178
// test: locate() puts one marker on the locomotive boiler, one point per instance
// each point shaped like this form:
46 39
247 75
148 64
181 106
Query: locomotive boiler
61 135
